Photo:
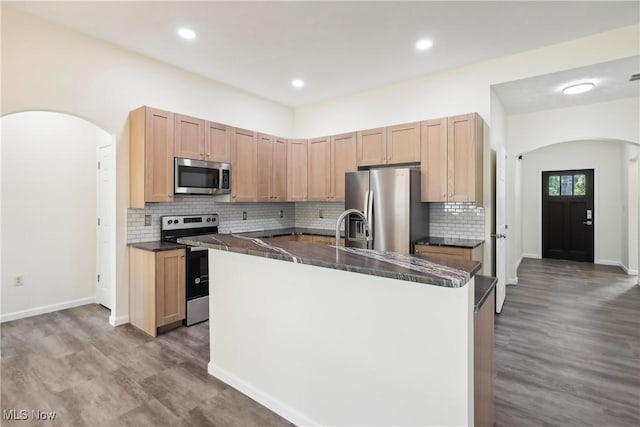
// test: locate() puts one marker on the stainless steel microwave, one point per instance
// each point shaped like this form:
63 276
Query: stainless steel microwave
201 177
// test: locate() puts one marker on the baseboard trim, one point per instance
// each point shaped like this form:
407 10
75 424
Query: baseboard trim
512 281
534 256
261 397
46 309
117 321
629 271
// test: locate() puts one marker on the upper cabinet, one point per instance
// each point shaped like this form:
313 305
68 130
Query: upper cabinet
343 160
244 162
218 142
189 137
403 143
390 145
151 152
319 172
329 159
297 170
272 172
372 147
452 159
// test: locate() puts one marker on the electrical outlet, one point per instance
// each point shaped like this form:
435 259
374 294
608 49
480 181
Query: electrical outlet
147 220
18 280
244 215
320 214
281 213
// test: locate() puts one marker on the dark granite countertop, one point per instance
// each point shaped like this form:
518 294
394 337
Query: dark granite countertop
449 241
288 231
484 286
156 246
453 273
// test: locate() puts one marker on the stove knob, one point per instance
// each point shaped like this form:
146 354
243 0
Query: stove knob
176 221
208 219
170 222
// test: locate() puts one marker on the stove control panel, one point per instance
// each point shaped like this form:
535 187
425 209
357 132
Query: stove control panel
185 222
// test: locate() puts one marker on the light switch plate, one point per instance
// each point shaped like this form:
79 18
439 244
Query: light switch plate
147 220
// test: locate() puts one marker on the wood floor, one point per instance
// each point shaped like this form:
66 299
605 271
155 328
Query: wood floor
567 349
74 363
567 354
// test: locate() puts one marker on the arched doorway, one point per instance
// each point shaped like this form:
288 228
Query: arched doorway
54 253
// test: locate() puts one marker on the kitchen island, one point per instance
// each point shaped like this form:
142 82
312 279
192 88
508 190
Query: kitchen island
342 336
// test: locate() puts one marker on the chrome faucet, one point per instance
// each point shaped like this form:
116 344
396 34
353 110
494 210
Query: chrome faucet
341 218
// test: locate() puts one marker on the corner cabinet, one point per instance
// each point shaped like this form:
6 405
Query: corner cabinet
244 162
297 155
157 288
150 156
272 168
452 159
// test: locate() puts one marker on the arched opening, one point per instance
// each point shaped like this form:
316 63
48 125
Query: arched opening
55 254
615 237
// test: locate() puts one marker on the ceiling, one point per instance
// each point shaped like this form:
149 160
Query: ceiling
545 92
338 48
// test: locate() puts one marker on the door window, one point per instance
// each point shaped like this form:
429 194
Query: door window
567 185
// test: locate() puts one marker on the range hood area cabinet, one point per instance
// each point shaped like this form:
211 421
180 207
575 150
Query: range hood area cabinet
390 145
151 152
329 159
452 159
201 139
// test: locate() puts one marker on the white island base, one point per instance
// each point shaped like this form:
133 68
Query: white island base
328 347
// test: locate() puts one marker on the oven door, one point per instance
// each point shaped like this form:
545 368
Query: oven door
197 272
196 177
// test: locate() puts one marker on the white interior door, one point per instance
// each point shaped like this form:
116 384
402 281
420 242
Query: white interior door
501 228
106 212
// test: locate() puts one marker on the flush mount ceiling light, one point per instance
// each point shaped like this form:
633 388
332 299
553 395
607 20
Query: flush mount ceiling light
297 83
424 44
186 33
576 88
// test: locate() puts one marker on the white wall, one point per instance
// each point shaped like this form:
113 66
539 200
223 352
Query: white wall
49 67
630 233
604 158
48 212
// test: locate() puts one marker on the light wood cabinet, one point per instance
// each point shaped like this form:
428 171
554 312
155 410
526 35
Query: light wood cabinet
244 162
151 152
272 172
343 160
297 170
157 288
372 147
319 169
189 137
473 254
483 372
218 142
403 143
459 140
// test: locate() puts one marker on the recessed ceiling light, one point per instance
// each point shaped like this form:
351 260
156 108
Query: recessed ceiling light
576 88
424 44
297 83
187 33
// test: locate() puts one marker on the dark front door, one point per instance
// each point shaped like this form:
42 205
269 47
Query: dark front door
568 215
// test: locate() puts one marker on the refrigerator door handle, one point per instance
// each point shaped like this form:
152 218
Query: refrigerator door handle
369 212
366 204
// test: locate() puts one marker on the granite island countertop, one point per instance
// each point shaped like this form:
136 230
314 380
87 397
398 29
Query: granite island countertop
483 287
453 273
289 231
449 241
156 246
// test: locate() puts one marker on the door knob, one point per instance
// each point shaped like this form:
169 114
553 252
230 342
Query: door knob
587 222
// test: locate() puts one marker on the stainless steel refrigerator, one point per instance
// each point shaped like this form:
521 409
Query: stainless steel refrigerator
390 199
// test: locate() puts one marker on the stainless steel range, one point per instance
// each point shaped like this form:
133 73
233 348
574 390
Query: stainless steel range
197 260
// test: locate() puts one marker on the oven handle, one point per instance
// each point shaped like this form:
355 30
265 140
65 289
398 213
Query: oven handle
196 249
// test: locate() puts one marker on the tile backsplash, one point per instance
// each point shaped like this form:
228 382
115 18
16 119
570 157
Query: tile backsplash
462 220
456 219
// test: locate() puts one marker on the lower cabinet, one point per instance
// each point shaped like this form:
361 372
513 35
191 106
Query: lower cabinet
156 288
483 339
475 254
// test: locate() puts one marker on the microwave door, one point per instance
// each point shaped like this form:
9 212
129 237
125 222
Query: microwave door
195 177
